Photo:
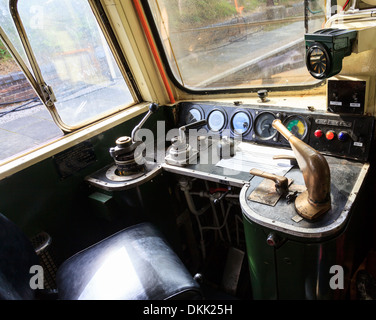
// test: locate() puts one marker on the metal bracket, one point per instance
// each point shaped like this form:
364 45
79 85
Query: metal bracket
49 95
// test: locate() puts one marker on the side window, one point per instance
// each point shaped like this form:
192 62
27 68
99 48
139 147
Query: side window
25 123
74 59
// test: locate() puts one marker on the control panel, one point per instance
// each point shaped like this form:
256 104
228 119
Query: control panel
347 95
344 135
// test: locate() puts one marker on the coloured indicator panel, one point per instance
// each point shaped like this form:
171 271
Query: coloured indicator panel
263 126
297 125
241 122
216 120
193 116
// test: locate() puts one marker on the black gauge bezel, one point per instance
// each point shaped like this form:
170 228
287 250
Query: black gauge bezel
310 50
225 116
250 123
302 119
257 119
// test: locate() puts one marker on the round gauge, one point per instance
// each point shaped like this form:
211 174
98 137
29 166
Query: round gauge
193 115
241 122
297 126
216 120
318 61
263 125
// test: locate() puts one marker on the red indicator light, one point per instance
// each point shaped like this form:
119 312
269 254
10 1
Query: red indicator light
318 133
329 135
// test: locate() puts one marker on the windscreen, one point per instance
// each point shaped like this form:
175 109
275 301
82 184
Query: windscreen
224 44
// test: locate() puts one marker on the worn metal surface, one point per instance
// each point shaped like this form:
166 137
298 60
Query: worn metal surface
107 179
266 193
346 180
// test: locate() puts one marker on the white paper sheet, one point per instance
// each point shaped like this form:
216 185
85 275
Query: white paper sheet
249 156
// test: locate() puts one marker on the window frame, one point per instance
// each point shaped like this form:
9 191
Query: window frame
45 92
200 92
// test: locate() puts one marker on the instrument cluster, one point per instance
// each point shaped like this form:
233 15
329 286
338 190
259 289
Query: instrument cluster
344 135
251 124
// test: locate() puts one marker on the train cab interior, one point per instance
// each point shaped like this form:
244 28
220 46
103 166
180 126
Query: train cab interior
201 150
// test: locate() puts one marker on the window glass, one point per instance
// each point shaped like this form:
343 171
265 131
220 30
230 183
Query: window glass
25 123
74 59
7 25
220 44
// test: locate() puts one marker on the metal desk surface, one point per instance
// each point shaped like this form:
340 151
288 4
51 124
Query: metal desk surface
347 177
346 180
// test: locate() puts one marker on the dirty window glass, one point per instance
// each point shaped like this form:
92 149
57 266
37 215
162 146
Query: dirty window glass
25 123
8 27
220 44
74 59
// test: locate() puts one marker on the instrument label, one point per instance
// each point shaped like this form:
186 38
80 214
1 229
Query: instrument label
74 159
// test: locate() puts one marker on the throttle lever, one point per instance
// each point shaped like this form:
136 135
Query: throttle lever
281 182
153 107
193 125
292 159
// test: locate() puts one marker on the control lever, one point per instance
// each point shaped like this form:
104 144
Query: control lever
281 182
127 160
153 107
316 173
125 144
292 159
192 125
222 195
180 152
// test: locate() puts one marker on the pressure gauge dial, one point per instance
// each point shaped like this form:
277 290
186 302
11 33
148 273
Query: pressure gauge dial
297 125
193 115
216 120
241 123
318 61
264 126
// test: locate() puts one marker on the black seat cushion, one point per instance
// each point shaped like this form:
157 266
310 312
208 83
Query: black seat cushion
17 255
133 264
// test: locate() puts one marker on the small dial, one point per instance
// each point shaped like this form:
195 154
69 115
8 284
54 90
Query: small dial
297 126
216 120
264 125
193 115
241 122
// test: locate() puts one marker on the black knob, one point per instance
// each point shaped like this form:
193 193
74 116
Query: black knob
153 107
199 278
263 94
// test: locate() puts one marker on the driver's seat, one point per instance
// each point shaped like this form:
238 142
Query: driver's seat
135 263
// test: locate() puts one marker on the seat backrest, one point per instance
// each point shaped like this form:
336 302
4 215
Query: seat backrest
135 263
16 257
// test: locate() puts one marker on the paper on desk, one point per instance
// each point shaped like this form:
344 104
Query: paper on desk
249 156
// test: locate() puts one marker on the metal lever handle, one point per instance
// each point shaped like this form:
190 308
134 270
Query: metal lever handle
153 107
316 173
193 125
281 183
222 196
292 159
